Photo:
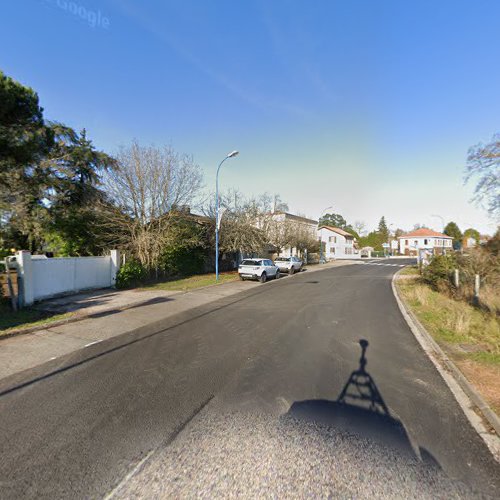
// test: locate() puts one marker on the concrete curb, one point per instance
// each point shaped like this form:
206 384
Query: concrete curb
475 408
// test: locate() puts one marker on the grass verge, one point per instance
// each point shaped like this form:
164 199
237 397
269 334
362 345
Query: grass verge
11 321
193 282
469 336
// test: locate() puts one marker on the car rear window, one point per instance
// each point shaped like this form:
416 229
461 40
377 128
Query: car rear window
283 259
250 263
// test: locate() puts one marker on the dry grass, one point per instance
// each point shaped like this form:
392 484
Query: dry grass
410 271
486 378
451 321
470 336
490 298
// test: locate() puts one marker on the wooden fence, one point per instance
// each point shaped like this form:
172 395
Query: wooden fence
4 286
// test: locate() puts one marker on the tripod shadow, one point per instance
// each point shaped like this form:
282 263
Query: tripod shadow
360 410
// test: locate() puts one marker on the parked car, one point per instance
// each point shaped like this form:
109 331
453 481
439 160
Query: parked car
258 269
289 265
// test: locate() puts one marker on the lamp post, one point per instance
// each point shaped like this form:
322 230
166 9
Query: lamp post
442 221
217 220
389 238
320 237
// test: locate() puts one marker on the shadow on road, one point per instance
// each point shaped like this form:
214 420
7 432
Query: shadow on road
361 410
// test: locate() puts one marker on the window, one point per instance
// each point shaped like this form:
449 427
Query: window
406 242
426 241
332 249
332 239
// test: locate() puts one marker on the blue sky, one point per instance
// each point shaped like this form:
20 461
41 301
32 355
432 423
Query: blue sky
366 105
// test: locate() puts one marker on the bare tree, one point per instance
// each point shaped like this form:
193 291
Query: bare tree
360 227
145 191
483 161
302 238
247 224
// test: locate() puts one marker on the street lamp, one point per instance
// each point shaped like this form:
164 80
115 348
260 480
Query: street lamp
320 237
217 220
442 221
389 238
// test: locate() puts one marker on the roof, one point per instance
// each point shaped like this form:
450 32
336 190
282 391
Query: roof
337 230
424 232
298 218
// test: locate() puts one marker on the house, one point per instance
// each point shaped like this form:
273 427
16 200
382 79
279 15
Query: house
366 252
484 239
303 227
337 243
424 239
468 243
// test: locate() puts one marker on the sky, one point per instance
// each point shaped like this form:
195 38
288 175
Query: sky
369 106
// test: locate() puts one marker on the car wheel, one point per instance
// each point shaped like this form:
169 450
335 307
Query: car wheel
277 275
241 278
263 277
291 271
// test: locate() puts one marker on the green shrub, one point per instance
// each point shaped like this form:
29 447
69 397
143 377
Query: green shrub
439 271
130 274
182 261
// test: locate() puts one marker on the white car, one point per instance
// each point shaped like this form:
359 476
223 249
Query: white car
258 269
288 264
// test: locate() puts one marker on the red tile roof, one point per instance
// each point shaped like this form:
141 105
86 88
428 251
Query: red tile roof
424 232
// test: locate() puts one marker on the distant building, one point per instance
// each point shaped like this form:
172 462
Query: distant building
309 227
484 238
366 252
424 238
469 242
337 243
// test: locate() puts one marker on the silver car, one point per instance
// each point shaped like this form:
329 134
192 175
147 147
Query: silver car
289 265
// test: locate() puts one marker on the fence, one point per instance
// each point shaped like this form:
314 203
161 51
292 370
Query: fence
41 277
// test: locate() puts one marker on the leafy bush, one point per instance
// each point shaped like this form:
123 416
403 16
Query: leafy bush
182 261
439 271
130 274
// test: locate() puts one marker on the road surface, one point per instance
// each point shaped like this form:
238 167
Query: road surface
252 397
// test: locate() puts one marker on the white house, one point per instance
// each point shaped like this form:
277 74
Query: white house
424 238
337 243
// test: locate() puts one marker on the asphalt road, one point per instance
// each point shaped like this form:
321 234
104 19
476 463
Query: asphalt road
245 398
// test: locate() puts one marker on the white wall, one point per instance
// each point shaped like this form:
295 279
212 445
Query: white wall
344 248
427 242
43 278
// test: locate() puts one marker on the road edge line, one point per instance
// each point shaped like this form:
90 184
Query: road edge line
469 400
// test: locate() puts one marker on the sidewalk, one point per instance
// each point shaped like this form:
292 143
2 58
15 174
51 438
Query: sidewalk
109 314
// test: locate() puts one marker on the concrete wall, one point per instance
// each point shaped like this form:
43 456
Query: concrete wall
41 278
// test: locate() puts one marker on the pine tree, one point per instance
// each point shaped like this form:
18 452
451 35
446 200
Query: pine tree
452 229
382 229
